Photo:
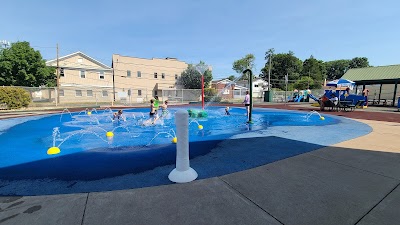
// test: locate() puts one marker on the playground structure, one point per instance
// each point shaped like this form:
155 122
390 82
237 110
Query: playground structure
344 96
300 96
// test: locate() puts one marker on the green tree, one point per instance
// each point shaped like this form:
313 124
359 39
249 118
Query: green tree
359 62
242 64
21 65
191 78
231 77
282 64
335 69
304 83
315 69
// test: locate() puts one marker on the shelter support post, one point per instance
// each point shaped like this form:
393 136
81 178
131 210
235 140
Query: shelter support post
380 91
395 91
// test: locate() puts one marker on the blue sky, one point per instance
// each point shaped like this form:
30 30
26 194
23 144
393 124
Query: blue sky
217 32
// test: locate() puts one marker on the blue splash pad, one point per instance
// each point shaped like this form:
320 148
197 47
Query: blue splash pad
91 165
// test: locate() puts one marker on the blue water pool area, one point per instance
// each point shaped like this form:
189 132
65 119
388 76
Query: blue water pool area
141 154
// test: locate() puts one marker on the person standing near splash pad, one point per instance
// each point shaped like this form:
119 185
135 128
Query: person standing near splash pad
164 110
156 103
246 103
153 114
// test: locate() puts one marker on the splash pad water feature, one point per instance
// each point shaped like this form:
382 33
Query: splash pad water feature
87 155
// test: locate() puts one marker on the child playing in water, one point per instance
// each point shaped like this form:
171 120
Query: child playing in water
227 111
153 114
117 115
164 110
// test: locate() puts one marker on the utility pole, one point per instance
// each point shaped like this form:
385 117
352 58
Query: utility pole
58 79
269 54
269 72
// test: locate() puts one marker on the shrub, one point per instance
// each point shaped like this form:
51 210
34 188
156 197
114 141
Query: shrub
14 97
210 94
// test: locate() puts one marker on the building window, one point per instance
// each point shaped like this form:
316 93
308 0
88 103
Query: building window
101 75
61 93
80 60
78 93
163 75
155 75
89 93
226 92
83 74
104 93
62 72
155 93
176 76
139 74
139 92
128 73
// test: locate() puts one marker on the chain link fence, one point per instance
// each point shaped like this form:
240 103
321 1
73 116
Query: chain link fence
96 96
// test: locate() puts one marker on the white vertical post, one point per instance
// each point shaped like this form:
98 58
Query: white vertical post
183 173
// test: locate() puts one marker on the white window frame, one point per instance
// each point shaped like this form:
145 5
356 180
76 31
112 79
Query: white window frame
84 74
80 60
100 75
76 93
89 95
102 94
139 74
128 73
139 92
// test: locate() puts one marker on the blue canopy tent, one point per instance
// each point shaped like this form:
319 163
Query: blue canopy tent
339 86
339 83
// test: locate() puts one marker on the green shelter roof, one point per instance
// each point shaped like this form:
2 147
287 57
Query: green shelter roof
373 73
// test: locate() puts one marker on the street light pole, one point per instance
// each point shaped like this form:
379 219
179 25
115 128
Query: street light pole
269 71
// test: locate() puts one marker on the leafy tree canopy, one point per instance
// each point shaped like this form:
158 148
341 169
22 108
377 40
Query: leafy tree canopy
231 77
242 64
304 83
191 77
21 65
359 62
314 69
335 69
282 64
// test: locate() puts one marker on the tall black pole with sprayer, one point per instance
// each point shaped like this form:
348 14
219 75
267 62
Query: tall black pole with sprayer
251 92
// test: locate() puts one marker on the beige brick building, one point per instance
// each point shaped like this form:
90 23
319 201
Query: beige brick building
146 78
128 80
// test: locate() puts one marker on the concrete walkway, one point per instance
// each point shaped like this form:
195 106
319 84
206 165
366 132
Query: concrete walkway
353 182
